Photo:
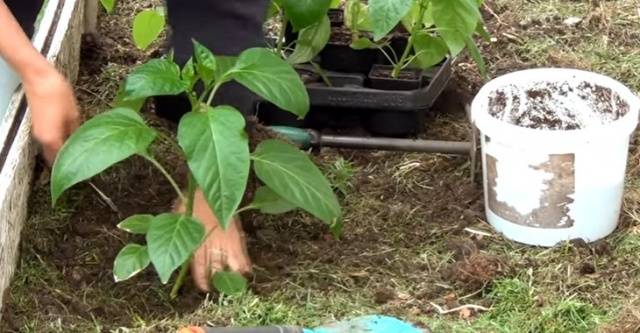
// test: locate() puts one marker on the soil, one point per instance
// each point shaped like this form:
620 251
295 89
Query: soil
336 17
380 77
340 35
413 224
557 105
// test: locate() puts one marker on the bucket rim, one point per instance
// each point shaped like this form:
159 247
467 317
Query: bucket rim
482 119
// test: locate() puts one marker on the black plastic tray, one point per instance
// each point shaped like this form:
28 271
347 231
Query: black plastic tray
349 103
349 91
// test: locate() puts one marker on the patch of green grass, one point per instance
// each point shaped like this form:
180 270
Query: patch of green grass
516 308
568 315
250 310
340 174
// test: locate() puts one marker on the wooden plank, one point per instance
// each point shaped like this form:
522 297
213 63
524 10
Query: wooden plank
91 16
59 38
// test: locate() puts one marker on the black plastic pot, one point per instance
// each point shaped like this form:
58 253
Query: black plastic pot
380 77
338 56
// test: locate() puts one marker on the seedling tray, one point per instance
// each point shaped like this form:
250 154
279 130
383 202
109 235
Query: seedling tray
349 103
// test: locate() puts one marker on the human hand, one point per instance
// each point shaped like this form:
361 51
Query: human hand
54 110
222 248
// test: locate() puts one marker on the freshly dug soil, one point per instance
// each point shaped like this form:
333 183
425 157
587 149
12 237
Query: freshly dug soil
557 105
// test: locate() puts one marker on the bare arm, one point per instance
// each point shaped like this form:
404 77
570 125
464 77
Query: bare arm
17 50
52 103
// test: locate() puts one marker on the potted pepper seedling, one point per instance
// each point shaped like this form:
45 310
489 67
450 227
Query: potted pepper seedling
436 29
215 144
312 27
342 53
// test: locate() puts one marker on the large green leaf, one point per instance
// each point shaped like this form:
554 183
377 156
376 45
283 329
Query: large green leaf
205 62
293 176
303 13
269 202
136 224
120 101
224 65
229 283
363 43
108 5
386 14
456 21
147 26
217 151
272 78
412 17
172 239
356 16
430 50
131 260
155 78
98 144
311 41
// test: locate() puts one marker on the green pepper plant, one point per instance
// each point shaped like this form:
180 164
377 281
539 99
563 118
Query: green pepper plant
436 29
310 20
148 24
215 144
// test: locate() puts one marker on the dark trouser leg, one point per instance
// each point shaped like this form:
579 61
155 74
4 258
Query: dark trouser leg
26 12
227 27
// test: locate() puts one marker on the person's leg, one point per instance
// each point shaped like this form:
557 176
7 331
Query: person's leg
26 12
227 27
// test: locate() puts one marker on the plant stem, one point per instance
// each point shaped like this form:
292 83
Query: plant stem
244 209
166 174
414 30
354 20
215 90
191 190
281 34
391 60
322 74
180 280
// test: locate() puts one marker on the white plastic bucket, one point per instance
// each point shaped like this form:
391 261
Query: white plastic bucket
544 186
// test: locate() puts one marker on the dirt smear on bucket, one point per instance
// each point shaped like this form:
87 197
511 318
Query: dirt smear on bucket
564 105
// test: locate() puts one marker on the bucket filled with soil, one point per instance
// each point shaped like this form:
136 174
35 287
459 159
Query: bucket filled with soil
554 153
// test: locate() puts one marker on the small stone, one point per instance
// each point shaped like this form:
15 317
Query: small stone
572 21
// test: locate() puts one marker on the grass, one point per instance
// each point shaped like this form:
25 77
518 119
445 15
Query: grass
413 226
518 308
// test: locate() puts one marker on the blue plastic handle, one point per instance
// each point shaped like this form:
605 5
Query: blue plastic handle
369 324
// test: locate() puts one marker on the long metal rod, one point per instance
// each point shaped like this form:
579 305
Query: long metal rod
392 144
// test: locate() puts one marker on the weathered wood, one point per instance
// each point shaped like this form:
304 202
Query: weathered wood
59 36
91 16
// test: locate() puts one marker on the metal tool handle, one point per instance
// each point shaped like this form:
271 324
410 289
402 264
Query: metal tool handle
271 329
